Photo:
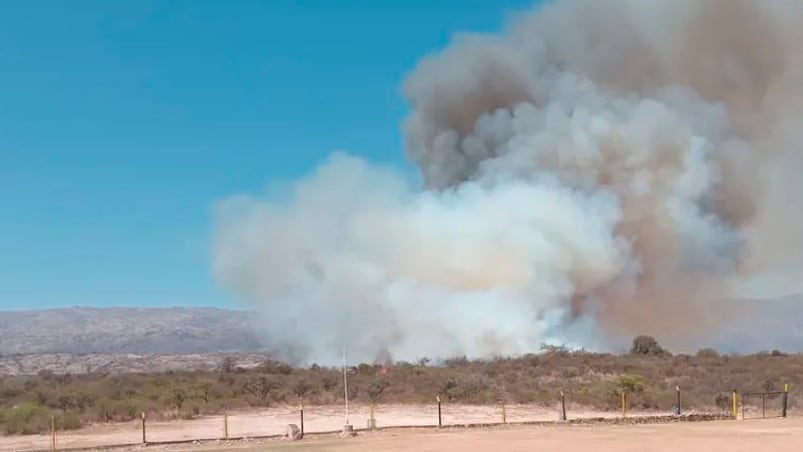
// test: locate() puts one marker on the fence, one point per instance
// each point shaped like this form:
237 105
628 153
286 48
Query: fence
772 404
330 420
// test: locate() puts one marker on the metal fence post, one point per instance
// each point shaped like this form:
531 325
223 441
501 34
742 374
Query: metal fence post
562 406
440 419
144 439
677 409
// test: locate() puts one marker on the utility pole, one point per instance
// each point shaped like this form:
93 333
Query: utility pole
346 385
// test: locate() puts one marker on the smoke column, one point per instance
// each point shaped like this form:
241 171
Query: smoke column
600 170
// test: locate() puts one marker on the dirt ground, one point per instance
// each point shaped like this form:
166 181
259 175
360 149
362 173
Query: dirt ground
777 435
274 421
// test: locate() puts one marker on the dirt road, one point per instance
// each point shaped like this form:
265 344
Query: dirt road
777 435
274 420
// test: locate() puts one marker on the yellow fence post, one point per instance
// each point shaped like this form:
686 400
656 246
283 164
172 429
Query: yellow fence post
52 433
735 403
226 426
624 404
785 399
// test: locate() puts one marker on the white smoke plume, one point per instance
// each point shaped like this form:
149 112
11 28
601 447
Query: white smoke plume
602 169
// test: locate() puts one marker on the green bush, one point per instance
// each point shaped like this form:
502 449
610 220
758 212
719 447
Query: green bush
69 421
630 383
647 345
25 419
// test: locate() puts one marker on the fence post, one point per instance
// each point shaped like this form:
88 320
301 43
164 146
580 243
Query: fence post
624 404
504 411
52 433
734 401
301 415
562 406
678 411
372 418
144 440
785 399
440 419
226 426
742 404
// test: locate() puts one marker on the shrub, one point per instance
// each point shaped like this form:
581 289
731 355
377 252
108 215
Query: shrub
301 388
123 410
591 380
26 419
630 383
69 421
376 388
469 388
707 353
723 401
457 361
273 367
647 345
261 389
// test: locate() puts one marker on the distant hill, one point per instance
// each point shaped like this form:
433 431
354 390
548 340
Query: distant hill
128 330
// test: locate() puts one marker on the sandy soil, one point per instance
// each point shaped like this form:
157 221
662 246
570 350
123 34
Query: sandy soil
273 422
777 435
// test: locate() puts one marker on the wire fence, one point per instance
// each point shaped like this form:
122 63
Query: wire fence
298 422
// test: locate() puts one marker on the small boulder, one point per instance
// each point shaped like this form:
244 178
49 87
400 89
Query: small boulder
292 432
348 430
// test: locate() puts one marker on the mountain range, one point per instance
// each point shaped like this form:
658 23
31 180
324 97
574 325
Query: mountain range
81 331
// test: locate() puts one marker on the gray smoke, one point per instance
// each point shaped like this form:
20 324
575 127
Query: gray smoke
602 169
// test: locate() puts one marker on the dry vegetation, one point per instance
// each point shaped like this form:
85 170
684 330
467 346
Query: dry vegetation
649 374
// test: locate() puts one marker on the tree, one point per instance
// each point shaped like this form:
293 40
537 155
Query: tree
301 388
67 401
202 391
273 367
376 388
177 398
260 389
227 365
647 346
630 383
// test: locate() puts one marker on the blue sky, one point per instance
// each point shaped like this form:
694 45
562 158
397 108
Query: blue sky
122 122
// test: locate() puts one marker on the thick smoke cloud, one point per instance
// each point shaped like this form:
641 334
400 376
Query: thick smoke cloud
600 170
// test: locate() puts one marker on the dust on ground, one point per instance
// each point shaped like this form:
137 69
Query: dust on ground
273 422
777 435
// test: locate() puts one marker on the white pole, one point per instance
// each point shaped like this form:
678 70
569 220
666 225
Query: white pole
346 386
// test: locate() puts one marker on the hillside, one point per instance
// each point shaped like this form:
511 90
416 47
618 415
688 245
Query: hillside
649 376
127 330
